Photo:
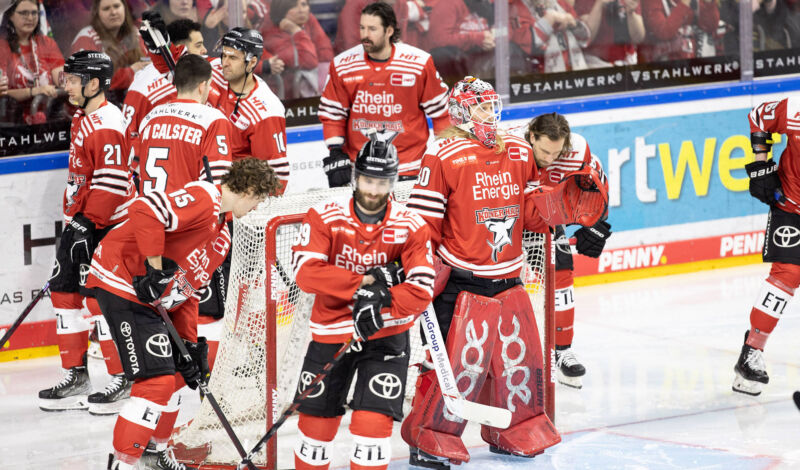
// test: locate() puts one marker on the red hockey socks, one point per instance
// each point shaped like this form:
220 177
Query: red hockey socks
372 440
775 294
564 307
110 354
314 447
72 331
139 416
169 415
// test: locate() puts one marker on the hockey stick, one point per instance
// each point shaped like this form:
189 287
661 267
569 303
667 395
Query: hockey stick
24 314
471 411
296 403
161 44
201 384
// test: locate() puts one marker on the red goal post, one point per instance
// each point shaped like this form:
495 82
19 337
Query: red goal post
266 332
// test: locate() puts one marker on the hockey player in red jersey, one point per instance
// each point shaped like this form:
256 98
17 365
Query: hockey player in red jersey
98 191
383 84
471 191
257 115
347 253
165 253
557 152
175 136
774 184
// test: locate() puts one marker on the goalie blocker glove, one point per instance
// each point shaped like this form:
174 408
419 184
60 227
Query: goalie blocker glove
390 275
337 167
370 300
196 370
590 241
157 24
765 185
152 285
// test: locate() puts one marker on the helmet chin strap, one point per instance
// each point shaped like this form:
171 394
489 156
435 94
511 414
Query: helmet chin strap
244 84
86 99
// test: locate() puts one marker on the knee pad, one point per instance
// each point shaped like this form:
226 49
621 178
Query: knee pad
784 275
372 443
155 389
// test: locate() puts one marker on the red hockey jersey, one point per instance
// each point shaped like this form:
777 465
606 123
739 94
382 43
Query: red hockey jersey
174 137
259 125
98 182
474 201
334 249
783 117
149 89
182 225
567 162
395 95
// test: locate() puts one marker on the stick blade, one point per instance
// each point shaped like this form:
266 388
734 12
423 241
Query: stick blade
478 413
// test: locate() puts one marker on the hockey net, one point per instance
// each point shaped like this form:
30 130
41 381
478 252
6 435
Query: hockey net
265 332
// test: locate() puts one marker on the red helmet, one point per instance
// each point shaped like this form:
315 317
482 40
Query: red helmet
475 107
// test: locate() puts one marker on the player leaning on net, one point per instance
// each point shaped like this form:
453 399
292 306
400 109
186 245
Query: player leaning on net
347 253
96 197
777 186
257 115
470 190
559 151
382 84
164 253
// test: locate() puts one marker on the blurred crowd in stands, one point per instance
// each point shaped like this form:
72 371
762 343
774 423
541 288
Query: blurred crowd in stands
301 37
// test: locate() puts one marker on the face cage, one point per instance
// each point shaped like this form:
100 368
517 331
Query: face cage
483 127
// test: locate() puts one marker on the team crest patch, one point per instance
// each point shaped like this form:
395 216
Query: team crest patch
500 224
395 235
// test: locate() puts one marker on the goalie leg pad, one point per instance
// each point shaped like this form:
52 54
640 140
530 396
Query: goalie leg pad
517 379
314 447
470 341
372 446
140 335
328 398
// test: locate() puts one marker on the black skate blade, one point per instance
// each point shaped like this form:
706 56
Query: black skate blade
796 398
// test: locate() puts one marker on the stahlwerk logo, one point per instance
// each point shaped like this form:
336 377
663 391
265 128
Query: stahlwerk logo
684 71
568 83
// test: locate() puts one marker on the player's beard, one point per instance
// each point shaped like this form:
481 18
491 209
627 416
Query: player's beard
370 205
370 47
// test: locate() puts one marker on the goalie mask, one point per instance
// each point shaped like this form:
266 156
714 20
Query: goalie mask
475 107
377 161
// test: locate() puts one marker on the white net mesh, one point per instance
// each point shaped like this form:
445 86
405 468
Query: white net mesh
249 351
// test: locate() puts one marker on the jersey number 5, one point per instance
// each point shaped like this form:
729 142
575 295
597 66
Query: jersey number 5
156 175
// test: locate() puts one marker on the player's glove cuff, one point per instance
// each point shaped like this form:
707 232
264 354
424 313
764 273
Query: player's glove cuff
765 184
337 167
152 285
590 241
389 275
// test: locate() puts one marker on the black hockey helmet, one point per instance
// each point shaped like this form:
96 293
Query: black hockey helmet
378 157
89 65
246 40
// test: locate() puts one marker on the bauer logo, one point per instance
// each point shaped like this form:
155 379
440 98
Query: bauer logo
402 79
395 235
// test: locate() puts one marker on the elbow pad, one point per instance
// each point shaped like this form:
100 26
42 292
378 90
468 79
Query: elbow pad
761 142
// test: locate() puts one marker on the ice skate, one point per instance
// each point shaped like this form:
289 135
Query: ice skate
419 458
568 369
110 400
751 371
161 460
497 450
70 393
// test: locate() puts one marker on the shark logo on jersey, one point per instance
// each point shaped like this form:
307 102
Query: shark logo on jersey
501 230
74 184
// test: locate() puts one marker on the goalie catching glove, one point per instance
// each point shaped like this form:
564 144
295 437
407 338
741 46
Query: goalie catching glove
370 299
196 370
389 275
337 167
581 197
765 185
591 240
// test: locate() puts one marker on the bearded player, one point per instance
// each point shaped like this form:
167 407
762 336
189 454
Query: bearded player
353 254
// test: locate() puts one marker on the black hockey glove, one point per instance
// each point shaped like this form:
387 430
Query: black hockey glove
765 185
156 24
151 286
80 251
338 167
370 300
591 240
196 370
390 275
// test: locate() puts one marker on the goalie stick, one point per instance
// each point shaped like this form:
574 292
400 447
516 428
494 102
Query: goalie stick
471 411
202 385
247 460
24 314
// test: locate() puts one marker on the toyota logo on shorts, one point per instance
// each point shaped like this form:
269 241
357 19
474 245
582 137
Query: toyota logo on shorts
786 236
305 380
125 329
385 385
158 345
